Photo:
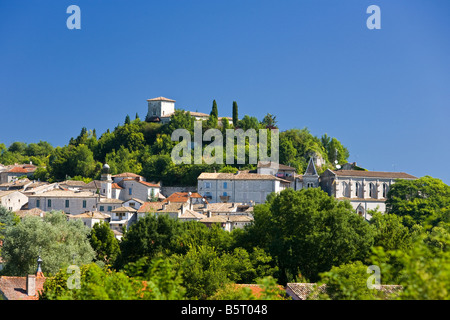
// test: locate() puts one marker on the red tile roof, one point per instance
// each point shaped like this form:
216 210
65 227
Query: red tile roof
181 197
15 288
18 170
161 99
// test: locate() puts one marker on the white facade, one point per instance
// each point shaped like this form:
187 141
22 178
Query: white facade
241 187
71 202
160 107
12 200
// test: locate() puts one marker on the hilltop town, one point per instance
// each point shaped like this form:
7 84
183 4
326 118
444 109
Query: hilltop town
125 179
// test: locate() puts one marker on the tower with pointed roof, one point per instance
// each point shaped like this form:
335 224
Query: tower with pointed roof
310 177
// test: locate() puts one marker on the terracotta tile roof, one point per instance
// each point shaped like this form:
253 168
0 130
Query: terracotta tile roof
373 174
182 197
31 212
257 289
217 207
161 99
149 184
126 174
214 219
239 218
14 288
124 209
18 170
115 186
90 215
190 214
73 183
149 207
110 200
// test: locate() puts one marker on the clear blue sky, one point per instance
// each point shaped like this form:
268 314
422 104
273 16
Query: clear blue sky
385 94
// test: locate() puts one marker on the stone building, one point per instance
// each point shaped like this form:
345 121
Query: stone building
366 190
239 187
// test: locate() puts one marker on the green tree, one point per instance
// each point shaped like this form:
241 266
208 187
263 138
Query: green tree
162 280
104 243
423 269
57 240
213 119
308 232
95 284
424 201
235 114
127 119
148 237
348 282
269 121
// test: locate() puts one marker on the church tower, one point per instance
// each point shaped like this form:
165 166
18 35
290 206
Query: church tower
310 177
106 182
160 109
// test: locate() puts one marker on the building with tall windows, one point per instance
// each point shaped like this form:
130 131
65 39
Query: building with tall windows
366 190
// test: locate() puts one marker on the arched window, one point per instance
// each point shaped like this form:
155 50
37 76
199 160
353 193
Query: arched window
385 190
345 192
372 190
357 191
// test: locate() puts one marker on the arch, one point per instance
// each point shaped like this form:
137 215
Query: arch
345 190
372 190
385 190
357 189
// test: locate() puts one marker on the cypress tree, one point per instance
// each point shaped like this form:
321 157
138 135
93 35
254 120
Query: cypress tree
213 116
235 113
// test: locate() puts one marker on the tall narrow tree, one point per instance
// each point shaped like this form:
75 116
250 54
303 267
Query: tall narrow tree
213 116
235 113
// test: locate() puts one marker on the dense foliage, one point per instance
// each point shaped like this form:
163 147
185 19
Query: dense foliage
145 148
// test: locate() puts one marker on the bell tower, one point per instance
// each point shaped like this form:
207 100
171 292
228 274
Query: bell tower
106 182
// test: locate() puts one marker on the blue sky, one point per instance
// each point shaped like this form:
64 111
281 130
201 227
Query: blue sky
385 94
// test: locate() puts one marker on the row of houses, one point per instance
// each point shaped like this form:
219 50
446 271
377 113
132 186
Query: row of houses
124 198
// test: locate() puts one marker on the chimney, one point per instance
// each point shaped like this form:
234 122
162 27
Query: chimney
31 285
208 214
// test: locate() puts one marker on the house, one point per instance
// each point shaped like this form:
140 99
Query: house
160 109
133 203
90 218
366 190
185 197
127 186
16 171
121 217
23 288
71 202
13 200
222 221
277 169
174 210
105 205
239 187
